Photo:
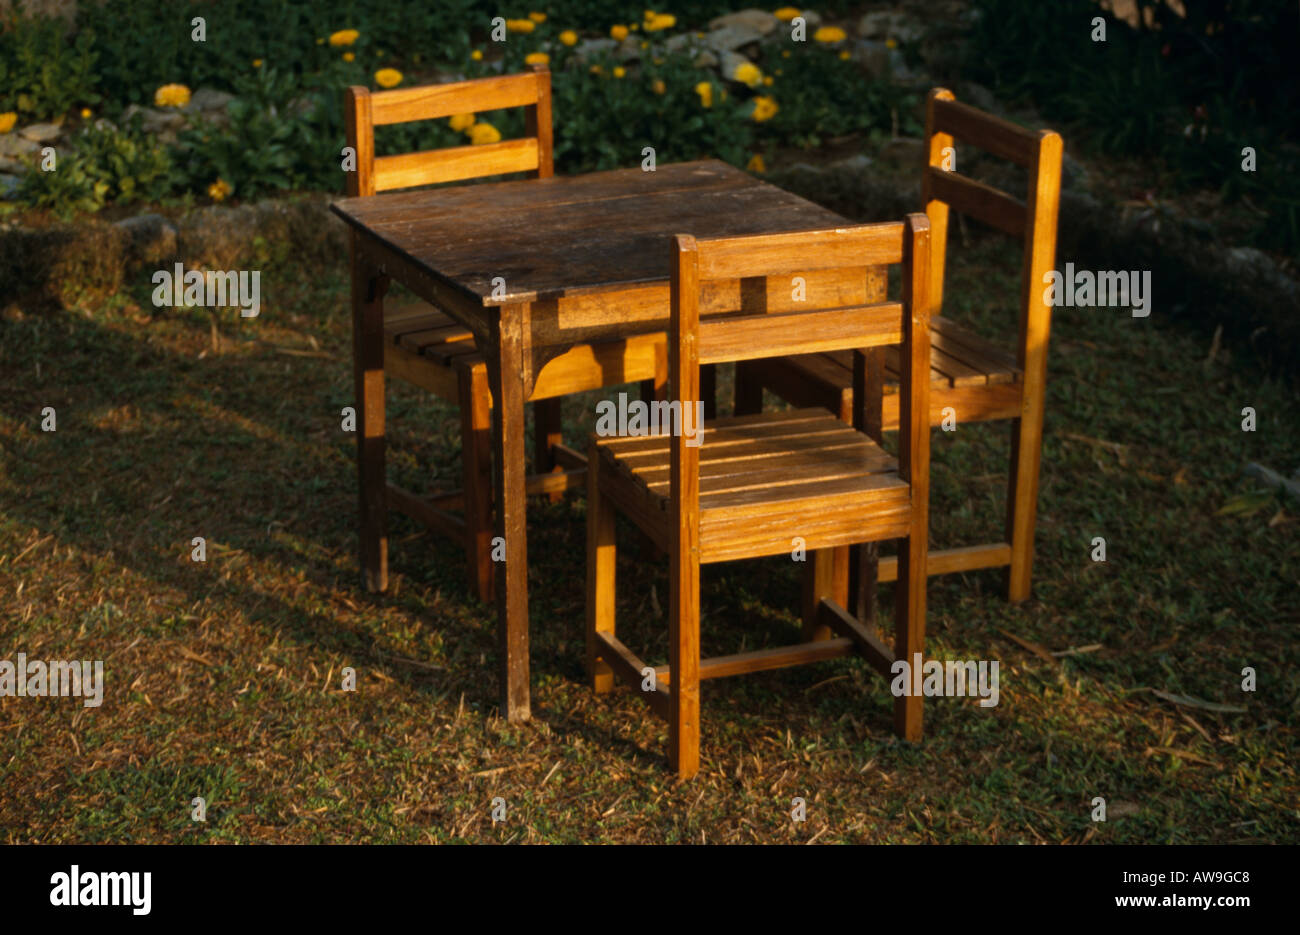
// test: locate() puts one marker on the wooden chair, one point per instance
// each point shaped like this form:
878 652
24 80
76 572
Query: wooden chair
426 347
757 482
979 380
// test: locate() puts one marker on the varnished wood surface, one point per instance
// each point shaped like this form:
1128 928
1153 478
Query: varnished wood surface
572 235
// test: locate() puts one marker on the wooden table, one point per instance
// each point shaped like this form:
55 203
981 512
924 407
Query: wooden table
534 268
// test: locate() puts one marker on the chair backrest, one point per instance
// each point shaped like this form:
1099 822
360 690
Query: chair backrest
1033 219
364 110
692 342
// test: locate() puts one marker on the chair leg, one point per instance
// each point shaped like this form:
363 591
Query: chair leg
368 289
684 665
864 571
909 627
547 434
1022 501
749 390
476 461
818 582
601 555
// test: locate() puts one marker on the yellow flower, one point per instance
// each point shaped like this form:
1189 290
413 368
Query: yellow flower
477 55
778 73
349 57
756 164
705 91
891 43
569 37
618 32
659 87
634 26
344 37
257 63
320 40
786 13
536 58
171 95
218 190
644 44
829 34
660 21
765 108
767 81
482 133
85 113
520 25
537 17
785 54
7 121
461 122
388 77
844 55
649 15
748 73
596 70
619 71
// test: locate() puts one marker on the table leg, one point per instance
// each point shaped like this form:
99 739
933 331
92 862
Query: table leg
506 376
368 287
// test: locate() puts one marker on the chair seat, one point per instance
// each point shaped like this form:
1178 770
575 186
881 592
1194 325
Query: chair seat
428 333
979 379
764 480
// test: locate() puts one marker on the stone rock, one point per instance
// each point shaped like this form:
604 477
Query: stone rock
759 21
678 42
903 151
164 124
888 24
11 144
1246 260
210 99
812 18
858 163
589 48
8 187
706 59
1073 173
730 38
12 166
41 132
729 62
629 50
880 61
976 95
154 238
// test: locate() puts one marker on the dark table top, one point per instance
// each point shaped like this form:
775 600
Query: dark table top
569 235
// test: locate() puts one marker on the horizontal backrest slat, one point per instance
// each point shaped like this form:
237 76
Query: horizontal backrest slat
750 337
988 204
777 254
459 97
993 134
451 165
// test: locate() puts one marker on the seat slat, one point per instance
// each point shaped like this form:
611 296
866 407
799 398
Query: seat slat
745 465
995 361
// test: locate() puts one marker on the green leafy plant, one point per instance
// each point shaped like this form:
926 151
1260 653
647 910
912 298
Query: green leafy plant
43 74
102 164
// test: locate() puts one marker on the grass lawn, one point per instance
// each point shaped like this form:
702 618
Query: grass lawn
222 678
